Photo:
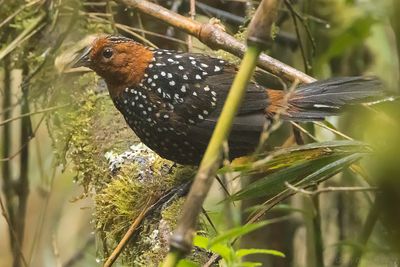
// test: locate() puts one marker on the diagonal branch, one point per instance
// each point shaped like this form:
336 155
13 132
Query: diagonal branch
216 38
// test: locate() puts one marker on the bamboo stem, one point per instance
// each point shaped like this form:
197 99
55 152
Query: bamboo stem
125 239
259 36
182 238
6 170
22 189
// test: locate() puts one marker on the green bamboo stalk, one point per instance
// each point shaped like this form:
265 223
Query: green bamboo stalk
232 104
257 39
6 170
182 239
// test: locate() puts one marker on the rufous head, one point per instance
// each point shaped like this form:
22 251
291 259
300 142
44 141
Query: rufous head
119 60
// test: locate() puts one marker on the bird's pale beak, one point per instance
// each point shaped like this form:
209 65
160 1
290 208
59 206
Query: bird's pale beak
83 59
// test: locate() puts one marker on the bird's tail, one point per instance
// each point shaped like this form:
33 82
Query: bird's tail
317 100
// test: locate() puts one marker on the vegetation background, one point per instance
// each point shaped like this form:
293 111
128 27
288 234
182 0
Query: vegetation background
57 126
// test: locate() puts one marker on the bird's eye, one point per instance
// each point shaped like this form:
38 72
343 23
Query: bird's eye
107 53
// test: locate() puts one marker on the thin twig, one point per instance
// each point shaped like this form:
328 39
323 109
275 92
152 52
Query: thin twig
192 13
176 4
276 122
132 229
4 122
268 205
332 189
12 231
121 27
220 14
320 124
19 10
28 32
118 25
41 215
296 27
111 16
298 126
140 22
209 220
80 253
10 157
11 107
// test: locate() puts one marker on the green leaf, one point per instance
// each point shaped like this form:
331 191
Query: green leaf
222 249
250 264
201 241
244 252
285 157
330 169
301 166
275 183
236 232
187 263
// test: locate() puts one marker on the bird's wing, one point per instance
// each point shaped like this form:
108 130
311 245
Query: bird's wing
249 121
195 88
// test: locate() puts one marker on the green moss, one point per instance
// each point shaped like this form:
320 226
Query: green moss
85 133
128 193
170 213
73 137
126 196
274 31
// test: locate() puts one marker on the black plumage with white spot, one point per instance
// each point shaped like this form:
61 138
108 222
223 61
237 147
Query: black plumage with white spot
174 108
172 100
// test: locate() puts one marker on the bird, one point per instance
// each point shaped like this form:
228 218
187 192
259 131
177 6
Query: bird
172 99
